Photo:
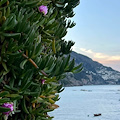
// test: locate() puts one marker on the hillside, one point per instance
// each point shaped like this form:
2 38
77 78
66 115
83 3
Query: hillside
93 73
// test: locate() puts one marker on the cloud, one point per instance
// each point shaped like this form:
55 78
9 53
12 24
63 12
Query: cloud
102 56
87 51
109 60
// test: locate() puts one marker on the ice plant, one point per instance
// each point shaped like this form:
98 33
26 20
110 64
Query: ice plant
34 56
8 105
43 9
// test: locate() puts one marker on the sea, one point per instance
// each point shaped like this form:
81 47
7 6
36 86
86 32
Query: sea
83 102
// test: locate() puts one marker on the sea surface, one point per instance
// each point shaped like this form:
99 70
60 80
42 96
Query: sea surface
81 103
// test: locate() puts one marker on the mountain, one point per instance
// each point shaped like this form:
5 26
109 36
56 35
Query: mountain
93 73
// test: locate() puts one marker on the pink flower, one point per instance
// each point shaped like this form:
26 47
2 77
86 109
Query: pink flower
42 81
43 9
8 105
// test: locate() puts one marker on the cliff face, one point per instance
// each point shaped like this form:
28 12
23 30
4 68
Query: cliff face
93 73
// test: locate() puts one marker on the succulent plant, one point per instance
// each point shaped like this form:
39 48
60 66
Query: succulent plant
33 57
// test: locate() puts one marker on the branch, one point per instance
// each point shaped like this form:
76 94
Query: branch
33 63
29 59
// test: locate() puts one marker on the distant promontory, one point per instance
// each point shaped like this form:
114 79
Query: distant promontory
93 73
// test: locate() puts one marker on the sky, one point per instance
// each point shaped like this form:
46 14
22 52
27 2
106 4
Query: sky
97 31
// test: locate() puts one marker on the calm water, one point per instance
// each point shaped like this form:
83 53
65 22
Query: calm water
81 103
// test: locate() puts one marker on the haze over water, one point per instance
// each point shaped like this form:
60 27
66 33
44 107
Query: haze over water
81 103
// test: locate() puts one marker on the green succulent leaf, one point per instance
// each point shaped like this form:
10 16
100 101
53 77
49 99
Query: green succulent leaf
3 109
22 64
2 94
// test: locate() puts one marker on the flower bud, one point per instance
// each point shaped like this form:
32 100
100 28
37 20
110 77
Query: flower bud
8 105
43 9
42 81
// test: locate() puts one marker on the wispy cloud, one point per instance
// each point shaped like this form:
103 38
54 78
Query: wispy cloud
109 60
102 56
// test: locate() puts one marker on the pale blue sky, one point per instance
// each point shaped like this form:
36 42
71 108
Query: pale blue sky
97 31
